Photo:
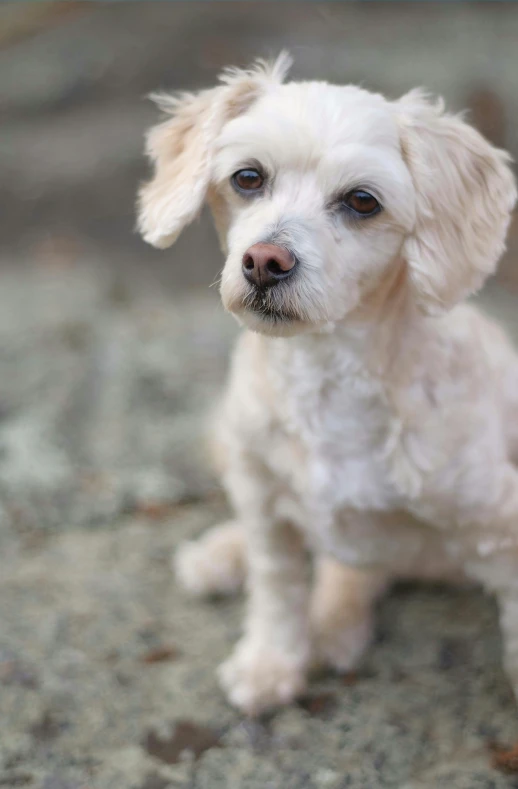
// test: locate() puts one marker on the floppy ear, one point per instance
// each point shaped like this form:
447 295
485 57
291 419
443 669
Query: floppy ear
181 147
465 193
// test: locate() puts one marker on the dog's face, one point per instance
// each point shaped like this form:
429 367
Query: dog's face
314 171
321 192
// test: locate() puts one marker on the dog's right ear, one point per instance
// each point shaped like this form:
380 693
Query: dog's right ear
181 148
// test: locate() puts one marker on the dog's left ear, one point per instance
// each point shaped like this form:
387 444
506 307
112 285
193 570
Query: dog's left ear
181 147
465 192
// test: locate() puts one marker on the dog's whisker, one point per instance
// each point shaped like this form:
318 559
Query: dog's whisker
217 280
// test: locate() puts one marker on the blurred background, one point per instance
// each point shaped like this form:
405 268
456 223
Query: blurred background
111 355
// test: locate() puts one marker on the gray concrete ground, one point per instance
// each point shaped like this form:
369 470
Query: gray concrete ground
106 669
111 356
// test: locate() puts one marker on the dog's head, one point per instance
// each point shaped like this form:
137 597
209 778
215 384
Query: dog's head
319 192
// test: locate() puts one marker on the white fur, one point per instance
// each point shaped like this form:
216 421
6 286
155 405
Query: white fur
377 423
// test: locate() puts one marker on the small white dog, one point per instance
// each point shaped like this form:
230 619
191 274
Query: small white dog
368 418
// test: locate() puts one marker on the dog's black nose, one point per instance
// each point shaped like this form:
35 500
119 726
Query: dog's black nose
266 264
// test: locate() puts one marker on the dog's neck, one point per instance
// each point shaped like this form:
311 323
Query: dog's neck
380 337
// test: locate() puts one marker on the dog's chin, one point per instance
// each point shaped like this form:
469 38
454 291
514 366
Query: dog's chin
257 315
272 324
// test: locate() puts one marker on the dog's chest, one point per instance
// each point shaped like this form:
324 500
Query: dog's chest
330 429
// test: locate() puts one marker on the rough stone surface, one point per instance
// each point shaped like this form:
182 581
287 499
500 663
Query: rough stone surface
106 669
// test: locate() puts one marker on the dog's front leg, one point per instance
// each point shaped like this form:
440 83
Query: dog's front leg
268 667
342 612
494 561
508 605
501 576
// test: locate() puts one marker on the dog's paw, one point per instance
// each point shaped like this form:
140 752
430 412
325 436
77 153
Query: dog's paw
214 564
342 647
257 678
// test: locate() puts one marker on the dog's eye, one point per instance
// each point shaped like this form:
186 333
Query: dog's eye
361 203
247 180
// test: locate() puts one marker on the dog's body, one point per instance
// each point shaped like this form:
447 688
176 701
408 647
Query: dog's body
356 424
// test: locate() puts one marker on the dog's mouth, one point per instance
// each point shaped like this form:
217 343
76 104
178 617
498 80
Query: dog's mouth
261 304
